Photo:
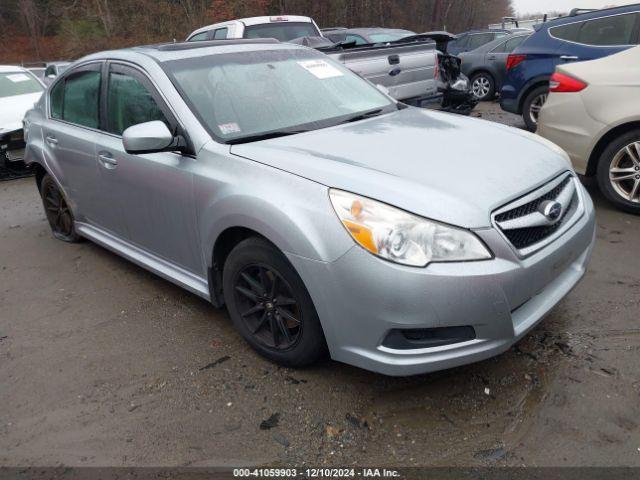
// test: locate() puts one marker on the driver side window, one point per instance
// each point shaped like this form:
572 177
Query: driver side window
129 103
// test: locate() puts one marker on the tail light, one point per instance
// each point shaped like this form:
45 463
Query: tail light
436 70
514 60
562 83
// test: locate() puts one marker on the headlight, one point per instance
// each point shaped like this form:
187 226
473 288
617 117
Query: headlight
402 237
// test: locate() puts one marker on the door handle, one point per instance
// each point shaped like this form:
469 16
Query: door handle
569 58
51 140
491 57
107 160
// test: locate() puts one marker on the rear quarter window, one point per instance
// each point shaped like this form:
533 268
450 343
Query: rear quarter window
606 31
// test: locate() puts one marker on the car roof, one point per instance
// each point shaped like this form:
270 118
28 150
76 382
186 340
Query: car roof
256 21
174 51
11 69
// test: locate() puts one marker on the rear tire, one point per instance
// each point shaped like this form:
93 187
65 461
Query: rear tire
532 105
270 306
57 210
483 86
619 172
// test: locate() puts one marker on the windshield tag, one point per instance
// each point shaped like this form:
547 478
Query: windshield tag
18 77
321 69
227 128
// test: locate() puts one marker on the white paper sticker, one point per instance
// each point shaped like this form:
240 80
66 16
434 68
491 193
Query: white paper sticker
18 77
227 128
321 69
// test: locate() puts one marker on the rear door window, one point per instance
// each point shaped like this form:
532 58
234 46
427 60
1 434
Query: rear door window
81 98
220 33
479 39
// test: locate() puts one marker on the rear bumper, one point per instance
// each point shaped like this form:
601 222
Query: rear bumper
360 298
565 121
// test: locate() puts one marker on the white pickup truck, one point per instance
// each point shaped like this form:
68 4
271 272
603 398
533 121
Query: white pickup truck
408 70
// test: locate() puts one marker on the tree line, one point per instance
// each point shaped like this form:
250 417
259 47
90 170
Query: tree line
37 30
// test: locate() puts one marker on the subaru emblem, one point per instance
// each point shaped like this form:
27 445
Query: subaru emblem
551 210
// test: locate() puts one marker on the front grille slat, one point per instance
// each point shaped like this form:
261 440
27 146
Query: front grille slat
536 229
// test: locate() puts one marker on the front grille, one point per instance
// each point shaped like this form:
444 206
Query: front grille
524 223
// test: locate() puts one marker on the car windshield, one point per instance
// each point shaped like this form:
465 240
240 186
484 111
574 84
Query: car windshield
18 83
282 31
248 94
389 37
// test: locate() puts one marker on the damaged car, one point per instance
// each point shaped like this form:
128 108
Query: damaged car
269 178
19 91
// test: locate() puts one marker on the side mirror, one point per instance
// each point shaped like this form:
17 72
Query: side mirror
149 137
383 89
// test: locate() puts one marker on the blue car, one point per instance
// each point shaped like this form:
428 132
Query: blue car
583 35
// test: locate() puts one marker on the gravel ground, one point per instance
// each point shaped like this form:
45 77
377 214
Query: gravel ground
103 363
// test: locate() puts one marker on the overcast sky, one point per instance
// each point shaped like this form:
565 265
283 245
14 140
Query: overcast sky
536 6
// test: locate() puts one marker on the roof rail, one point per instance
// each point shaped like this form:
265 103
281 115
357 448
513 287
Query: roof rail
170 47
580 11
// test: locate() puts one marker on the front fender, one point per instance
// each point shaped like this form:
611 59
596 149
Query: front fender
293 213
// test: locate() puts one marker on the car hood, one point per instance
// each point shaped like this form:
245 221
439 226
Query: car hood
442 166
12 110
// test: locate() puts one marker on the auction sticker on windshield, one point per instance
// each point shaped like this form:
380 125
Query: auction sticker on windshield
321 69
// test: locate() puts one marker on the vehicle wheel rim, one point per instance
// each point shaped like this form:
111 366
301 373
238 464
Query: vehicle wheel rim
624 172
57 211
266 304
536 106
481 87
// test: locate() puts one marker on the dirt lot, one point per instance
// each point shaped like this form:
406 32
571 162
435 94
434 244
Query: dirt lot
102 363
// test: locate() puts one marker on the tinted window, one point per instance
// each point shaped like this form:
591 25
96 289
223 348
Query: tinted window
513 43
282 31
220 33
81 98
355 38
617 30
18 83
614 30
56 98
198 36
129 103
479 39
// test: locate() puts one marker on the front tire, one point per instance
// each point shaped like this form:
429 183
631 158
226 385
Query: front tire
532 105
619 172
270 306
483 86
57 210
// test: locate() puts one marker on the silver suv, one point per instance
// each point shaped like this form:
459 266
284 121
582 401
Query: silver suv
325 215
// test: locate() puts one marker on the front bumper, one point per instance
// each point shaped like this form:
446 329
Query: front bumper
360 298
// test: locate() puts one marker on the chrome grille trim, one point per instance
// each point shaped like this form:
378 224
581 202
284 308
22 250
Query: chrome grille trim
565 190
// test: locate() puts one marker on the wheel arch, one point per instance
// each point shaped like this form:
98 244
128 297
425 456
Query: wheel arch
529 87
604 141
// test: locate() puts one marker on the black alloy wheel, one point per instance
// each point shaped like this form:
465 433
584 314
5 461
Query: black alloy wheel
57 211
270 305
267 307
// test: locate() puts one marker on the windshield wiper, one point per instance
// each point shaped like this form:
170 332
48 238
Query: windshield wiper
363 116
264 136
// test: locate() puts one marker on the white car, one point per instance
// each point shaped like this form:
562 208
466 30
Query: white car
593 113
19 91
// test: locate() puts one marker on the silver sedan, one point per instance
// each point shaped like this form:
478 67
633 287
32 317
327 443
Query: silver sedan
327 217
